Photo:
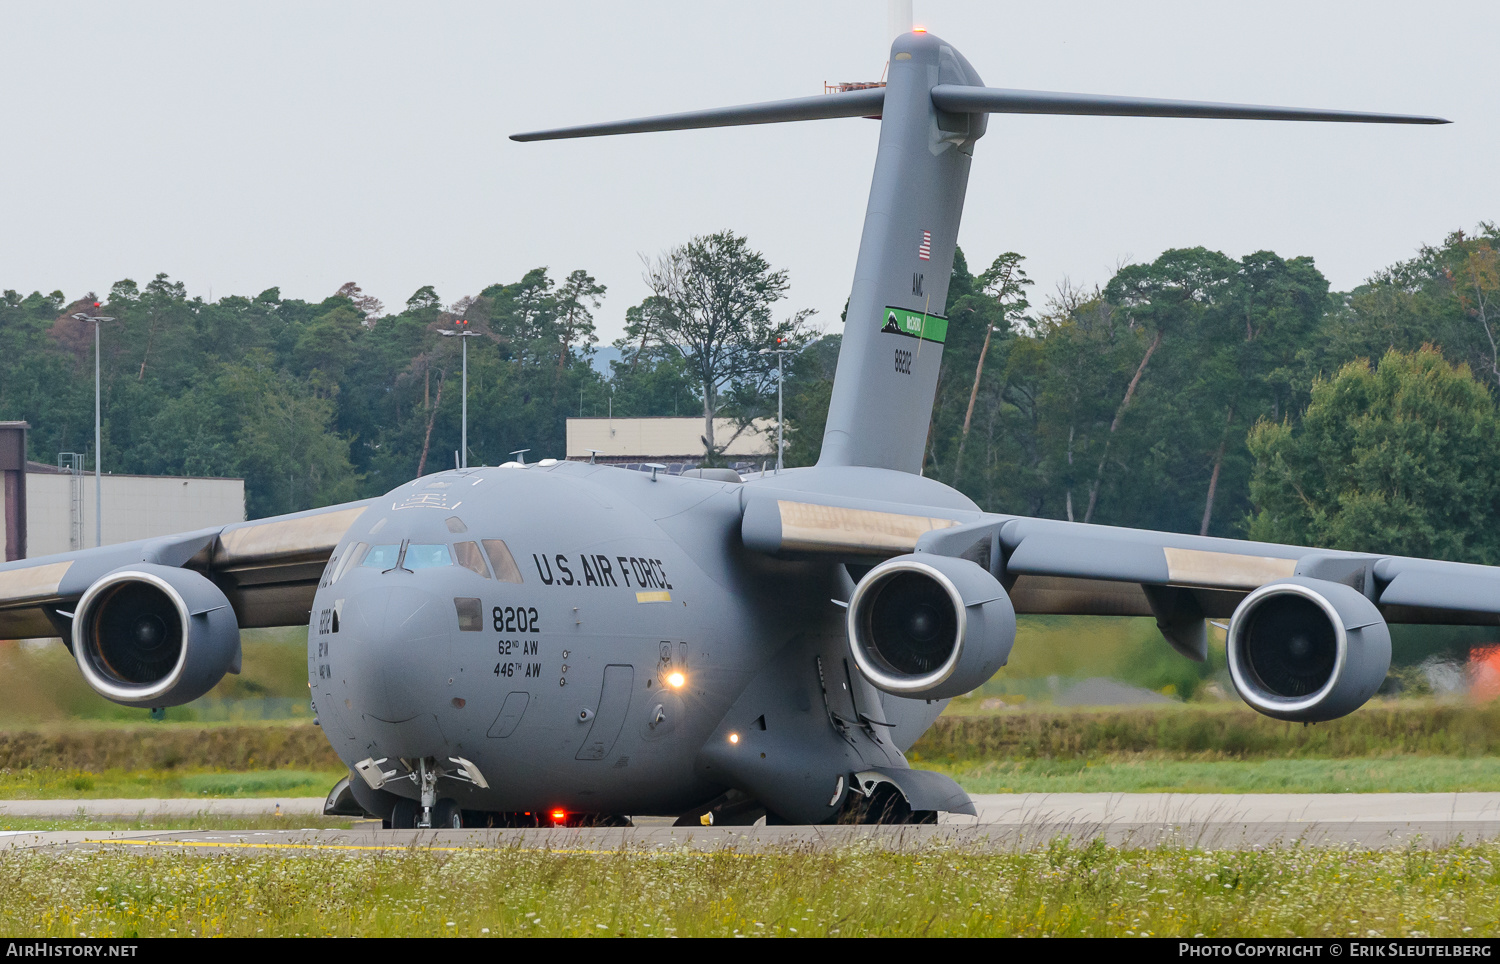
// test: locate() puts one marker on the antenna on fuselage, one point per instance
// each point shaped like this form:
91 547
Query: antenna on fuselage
520 455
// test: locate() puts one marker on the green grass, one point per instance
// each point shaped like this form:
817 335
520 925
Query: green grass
43 685
52 783
1136 774
1228 731
1063 891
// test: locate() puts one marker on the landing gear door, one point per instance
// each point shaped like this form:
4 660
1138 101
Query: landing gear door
609 716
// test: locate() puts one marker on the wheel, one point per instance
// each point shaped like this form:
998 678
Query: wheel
404 815
598 820
446 815
885 806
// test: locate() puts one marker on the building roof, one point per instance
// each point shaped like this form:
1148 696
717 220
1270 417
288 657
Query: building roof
666 439
42 468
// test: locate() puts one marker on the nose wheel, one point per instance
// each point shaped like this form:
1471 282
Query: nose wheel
427 811
444 814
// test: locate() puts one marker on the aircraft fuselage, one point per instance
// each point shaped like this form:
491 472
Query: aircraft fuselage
577 632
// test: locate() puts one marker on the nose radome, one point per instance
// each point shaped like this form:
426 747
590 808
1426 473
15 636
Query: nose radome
397 651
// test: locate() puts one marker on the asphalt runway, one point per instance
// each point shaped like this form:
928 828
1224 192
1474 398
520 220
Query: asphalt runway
1005 822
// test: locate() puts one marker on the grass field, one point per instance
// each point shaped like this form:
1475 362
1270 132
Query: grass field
1404 745
51 783
1060 891
1129 773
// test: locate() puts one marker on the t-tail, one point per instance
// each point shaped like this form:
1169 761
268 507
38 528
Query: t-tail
932 111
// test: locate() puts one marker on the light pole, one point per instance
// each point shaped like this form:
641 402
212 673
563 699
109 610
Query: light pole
98 440
778 352
463 332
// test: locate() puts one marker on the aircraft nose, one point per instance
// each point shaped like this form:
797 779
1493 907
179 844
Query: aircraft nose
398 650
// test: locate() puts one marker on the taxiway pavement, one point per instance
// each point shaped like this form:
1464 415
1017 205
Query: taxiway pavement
1005 821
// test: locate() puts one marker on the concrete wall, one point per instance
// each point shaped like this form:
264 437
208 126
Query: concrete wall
135 507
665 439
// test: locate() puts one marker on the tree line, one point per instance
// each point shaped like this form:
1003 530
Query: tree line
1196 393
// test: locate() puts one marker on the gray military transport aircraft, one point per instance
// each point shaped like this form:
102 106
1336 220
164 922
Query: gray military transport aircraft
562 643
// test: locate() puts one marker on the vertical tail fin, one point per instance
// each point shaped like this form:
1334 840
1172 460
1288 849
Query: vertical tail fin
896 324
932 110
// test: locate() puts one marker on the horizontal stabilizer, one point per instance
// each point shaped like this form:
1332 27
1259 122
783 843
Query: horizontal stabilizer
855 103
959 99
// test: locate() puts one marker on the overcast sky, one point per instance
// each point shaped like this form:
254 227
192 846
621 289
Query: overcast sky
240 146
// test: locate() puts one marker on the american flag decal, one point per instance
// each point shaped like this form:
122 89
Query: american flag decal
924 250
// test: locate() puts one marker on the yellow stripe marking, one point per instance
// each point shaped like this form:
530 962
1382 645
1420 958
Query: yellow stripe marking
1224 570
660 596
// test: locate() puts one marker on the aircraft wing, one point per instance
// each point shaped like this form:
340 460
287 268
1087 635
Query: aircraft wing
1068 568
268 568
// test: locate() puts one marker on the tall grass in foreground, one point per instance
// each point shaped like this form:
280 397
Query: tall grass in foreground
1094 891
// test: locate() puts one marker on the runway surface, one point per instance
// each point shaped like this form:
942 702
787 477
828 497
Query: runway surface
1005 821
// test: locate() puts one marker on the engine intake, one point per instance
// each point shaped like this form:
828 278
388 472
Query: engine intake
930 626
1307 649
151 635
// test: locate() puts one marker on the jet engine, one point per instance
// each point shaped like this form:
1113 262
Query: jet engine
930 627
150 635
1307 649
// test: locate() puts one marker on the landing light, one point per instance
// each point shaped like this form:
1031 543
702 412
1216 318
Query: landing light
734 738
675 680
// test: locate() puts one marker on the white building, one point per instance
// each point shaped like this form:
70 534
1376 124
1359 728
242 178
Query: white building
58 507
667 439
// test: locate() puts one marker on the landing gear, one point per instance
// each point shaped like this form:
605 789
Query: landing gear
446 815
884 805
404 815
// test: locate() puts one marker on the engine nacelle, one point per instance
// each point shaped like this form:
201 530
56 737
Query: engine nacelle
929 626
150 635
1307 649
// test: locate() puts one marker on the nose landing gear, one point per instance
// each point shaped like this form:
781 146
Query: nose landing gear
427 811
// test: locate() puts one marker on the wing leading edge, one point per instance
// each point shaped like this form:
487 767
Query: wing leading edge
268 568
1069 568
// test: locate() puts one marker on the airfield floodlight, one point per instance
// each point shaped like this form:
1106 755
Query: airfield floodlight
778 352
462 326
98 433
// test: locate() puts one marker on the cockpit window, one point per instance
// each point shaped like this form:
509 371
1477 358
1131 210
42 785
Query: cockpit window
431 556
469 556
352 553
502 560
381 557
